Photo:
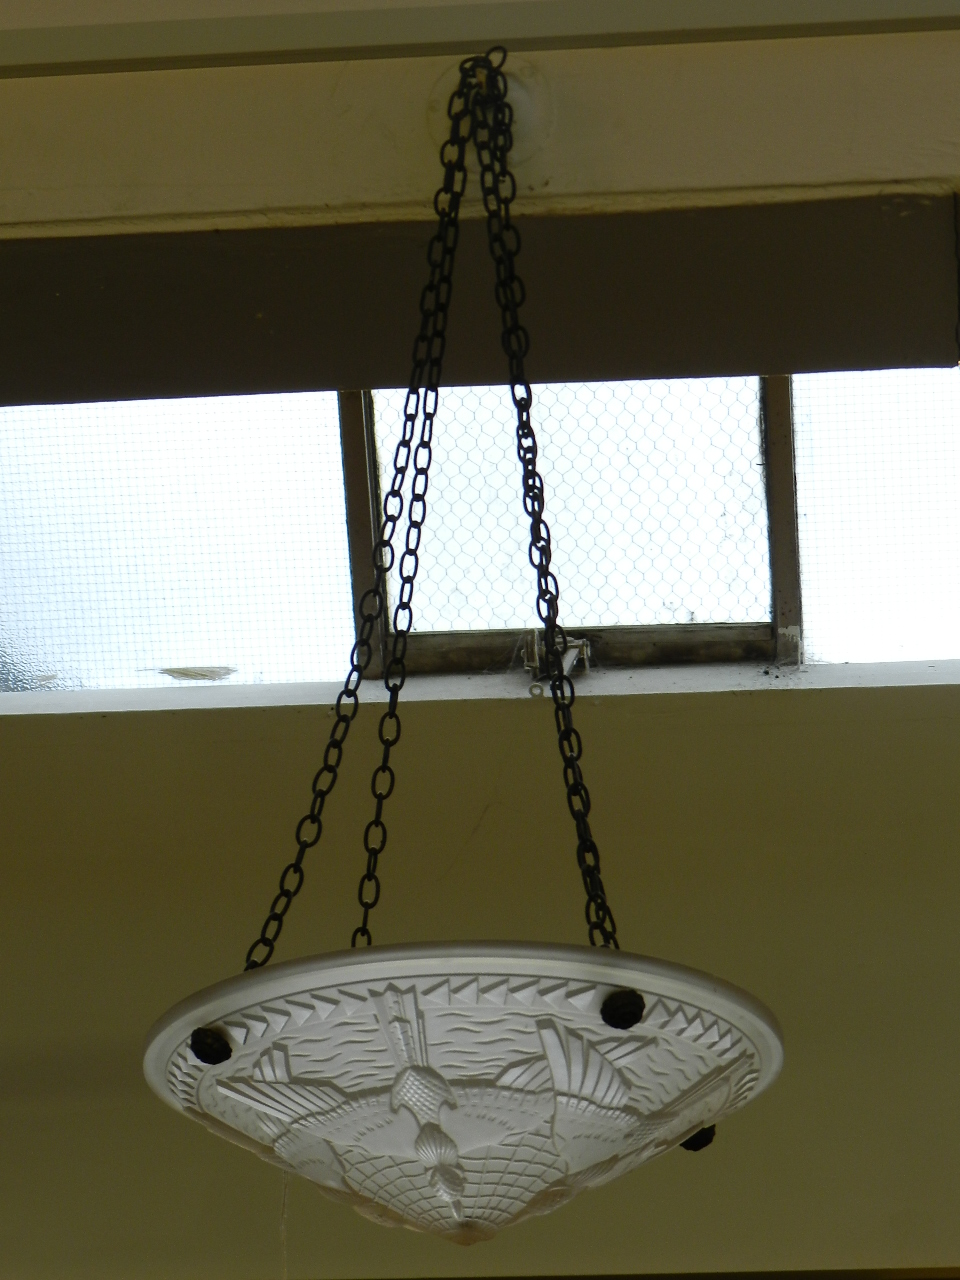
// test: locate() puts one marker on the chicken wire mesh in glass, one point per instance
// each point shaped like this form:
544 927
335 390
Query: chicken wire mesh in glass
878 473
150 541
654 497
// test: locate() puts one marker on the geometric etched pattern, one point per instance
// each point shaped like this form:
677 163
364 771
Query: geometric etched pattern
462 1103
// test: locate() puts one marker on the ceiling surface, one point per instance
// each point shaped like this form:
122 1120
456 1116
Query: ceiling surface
76 35
602 130
800 843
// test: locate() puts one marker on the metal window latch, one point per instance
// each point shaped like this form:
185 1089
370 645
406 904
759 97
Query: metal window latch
534 657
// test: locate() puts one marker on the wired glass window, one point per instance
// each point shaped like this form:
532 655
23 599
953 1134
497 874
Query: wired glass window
144 543
878 478
654 496
147 542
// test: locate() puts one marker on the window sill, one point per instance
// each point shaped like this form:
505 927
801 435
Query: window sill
623 682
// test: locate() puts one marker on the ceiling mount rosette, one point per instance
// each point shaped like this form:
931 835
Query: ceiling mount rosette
458 1089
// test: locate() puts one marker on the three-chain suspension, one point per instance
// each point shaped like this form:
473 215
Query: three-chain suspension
478 110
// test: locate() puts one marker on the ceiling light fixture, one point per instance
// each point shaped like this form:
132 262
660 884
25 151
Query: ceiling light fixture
459 1088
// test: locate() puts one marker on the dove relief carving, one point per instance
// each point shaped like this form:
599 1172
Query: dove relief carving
459 1106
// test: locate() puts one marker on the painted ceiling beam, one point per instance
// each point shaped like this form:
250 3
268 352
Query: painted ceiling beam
598 131
113 34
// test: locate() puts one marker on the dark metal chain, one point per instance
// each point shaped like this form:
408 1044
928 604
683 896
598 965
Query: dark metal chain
427 367
492 133
427 364
477 110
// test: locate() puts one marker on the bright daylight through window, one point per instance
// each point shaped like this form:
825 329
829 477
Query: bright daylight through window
878 478
655 500
145 542
154 542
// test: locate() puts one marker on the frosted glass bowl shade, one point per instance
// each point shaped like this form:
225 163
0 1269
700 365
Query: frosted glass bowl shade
459 1088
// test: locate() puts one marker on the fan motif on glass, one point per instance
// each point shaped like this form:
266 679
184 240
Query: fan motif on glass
460 1104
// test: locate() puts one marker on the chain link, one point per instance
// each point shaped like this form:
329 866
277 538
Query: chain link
492 120
428 352
423 392
478 111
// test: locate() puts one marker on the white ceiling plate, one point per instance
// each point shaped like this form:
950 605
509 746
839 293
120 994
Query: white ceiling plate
458 1089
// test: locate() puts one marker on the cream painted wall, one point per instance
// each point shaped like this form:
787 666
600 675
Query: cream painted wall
802 844
599 129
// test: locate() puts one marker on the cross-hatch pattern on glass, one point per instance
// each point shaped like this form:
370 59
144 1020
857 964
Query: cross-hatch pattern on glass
655 500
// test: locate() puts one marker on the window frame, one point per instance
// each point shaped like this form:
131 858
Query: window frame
863 281
463 652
